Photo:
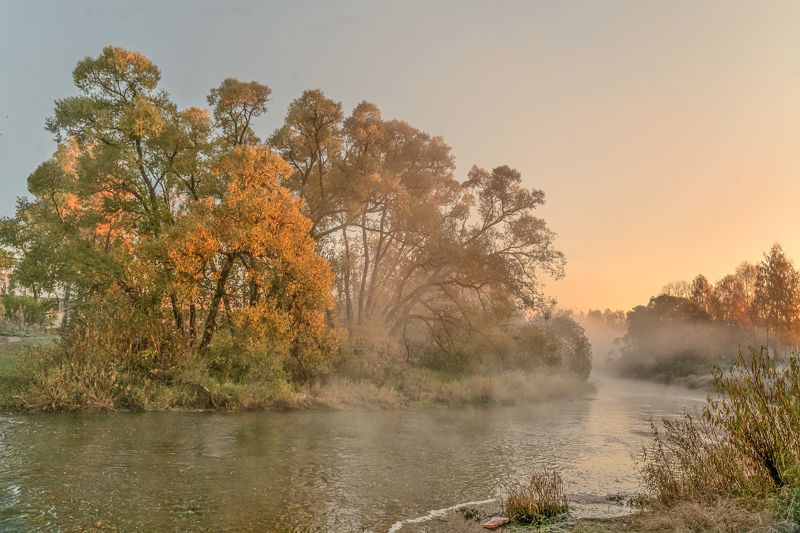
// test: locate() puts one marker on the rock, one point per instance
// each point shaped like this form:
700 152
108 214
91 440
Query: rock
495 522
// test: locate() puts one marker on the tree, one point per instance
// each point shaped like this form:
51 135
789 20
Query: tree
409 243
235 105
777 289
678 289
183 214
734 294
249 250
575 347
703 294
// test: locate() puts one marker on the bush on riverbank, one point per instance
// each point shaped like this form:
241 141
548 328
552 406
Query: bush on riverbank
86 370
745 443
539 502
70 387
115 356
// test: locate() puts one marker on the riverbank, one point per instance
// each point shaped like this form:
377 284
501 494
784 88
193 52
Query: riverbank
407 387
15 368
611 513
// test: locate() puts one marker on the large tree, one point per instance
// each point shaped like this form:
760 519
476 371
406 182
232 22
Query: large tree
181 210
411 244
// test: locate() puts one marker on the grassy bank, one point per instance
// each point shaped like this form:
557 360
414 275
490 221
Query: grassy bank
18 356
31 380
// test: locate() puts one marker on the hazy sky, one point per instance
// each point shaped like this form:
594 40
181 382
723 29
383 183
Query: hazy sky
666 135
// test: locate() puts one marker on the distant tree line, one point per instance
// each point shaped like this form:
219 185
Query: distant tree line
692 326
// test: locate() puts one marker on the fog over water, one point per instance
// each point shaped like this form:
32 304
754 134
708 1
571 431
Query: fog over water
342 470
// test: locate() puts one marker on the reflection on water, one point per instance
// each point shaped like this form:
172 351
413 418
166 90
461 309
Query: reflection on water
346 471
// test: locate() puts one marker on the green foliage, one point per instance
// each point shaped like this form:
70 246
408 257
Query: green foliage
115 355
574 345
16 369
26 312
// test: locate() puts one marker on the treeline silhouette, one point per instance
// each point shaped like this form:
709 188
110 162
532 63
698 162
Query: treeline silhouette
690 327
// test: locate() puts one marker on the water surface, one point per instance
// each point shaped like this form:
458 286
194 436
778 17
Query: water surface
343 471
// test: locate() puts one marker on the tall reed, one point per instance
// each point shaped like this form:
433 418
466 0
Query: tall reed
745 441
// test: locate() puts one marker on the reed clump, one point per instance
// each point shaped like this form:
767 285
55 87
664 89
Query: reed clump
743 443
538 502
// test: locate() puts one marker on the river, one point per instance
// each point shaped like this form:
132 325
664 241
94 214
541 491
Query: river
341 471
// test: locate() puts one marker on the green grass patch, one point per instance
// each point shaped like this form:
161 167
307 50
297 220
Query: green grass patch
18 362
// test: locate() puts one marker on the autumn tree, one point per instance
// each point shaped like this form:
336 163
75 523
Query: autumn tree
409 243
182 211
248 249
777 289
734 295
703 294
689 328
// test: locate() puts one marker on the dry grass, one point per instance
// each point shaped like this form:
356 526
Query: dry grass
743 445
724 515
503 388
18 362
539 502
428 387
744 442
340 393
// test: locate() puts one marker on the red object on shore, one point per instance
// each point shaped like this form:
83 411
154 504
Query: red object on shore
496 521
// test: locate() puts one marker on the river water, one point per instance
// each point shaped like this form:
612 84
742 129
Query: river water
340 471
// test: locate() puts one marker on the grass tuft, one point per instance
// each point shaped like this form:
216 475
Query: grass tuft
541 501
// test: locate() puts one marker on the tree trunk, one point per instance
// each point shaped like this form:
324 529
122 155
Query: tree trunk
379 250
365 271
213 309
192 324
65 317
348 302
176 312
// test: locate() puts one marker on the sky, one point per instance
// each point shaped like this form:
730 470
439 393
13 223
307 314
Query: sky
666 135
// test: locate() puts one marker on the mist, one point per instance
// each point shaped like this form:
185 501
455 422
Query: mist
313 268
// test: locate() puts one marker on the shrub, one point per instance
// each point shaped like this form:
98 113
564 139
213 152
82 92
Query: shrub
28 312
539 502
745 441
